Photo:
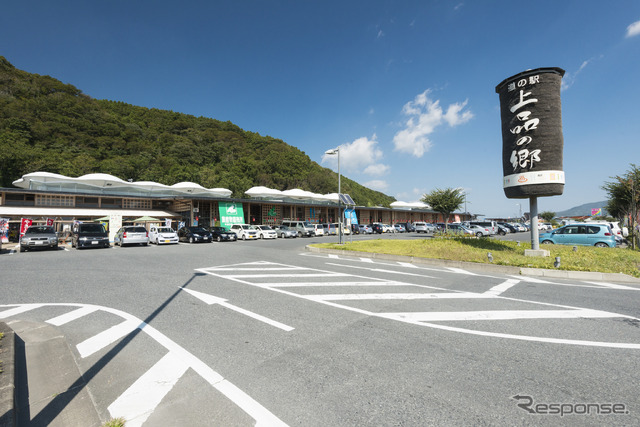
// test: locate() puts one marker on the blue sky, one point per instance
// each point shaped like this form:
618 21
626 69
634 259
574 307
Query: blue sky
406 88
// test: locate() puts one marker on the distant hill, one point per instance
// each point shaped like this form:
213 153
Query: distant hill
49 126
585 210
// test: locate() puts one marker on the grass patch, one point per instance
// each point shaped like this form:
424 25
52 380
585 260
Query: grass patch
115 422
586 258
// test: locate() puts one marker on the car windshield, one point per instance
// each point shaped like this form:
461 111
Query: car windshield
39 230
265 227
92 228
165 230
246 227
197 230
284 227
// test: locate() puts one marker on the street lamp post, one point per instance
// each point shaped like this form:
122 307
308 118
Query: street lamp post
332 152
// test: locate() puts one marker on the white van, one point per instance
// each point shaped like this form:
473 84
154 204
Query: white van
490 225
303 228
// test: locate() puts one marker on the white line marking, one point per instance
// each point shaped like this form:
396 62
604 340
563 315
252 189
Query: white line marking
333 256
460 271
498 315
382 270
261 276
257 268
211 299
72 315
367 260
406 264
499 289
614 286
351 297
18 310
331 284
139 401
107 337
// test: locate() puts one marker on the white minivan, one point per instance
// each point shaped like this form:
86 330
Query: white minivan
161 235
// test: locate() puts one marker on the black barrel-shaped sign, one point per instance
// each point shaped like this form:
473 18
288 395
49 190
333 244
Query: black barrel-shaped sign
532 142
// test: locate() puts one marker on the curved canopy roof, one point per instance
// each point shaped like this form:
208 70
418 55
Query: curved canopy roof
295 194
411 205
102 183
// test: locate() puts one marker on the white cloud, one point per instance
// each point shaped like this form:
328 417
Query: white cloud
570 78
633 29
425 116
377 184
363 153
376 169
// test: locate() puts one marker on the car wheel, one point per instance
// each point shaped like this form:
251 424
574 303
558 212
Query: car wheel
299 233
547 242
219 239
502 233
601 245
244 237
478 234
191 239
261 236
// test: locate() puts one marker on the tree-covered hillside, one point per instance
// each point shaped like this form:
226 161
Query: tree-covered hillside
46 125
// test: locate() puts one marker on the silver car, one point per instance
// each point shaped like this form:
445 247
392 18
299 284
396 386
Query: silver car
285 232
39 236
131 235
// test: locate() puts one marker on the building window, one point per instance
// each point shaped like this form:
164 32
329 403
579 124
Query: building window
87 202
54 200
110 203
136 203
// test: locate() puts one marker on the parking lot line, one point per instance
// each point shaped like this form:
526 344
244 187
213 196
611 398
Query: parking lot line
107 337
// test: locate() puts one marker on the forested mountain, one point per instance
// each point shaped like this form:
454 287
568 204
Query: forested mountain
46 125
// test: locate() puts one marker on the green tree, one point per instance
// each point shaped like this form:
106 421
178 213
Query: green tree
547 216
624 198
445 201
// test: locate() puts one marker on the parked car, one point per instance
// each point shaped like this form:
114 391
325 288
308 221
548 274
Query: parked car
330 229
424 227
365 229
479 231
355 229
89 235
162 235
265 232
285 232
510 227
459 229
38 237
345 229
399 228
319 229
408 227
131 235
303 228
221 234
194 234
502 230
490 225
386 228
599 235
244 231
377 228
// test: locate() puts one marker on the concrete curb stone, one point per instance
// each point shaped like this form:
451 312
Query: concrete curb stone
7 377
488 268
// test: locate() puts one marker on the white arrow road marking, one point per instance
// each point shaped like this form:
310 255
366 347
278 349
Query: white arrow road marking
139 401
210 299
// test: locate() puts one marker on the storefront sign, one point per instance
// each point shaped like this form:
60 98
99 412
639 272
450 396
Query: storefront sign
230 213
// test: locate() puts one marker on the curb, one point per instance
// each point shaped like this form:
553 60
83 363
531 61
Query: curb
7 377
488 268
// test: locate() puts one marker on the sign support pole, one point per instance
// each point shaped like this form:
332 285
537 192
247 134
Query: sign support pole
535 232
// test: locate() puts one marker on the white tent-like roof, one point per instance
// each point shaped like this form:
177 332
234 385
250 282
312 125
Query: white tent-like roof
103 183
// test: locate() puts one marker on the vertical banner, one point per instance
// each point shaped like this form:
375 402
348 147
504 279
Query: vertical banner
24 224
167 222
532 141
4 230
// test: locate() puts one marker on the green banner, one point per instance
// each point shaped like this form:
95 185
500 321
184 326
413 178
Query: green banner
230 213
